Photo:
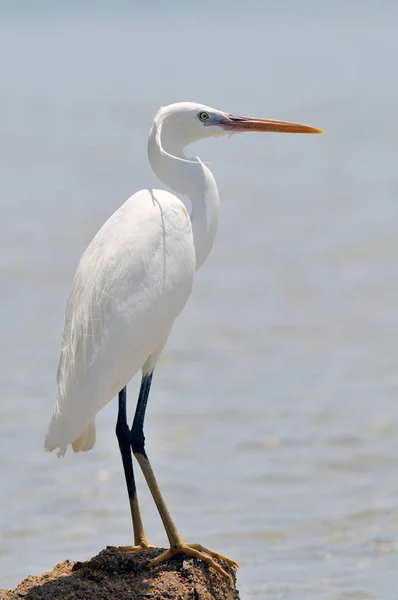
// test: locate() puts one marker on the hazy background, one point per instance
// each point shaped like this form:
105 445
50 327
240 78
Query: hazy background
273 420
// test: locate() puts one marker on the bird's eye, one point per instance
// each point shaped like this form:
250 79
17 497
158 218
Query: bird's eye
204 116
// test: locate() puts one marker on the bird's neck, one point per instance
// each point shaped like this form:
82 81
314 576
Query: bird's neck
191 178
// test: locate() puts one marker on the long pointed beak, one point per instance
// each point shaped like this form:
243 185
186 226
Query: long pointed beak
235 123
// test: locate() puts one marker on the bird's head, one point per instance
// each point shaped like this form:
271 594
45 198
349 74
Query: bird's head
189 122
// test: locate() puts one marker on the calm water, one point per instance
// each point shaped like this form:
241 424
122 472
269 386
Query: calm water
273 423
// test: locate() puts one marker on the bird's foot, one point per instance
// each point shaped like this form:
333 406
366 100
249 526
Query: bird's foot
197 551
143 545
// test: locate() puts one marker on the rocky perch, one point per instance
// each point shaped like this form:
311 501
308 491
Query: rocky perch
115 575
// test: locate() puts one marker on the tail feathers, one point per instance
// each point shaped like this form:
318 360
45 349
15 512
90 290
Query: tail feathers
86 440
60 434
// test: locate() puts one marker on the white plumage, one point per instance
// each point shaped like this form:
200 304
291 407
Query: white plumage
132 281
137 273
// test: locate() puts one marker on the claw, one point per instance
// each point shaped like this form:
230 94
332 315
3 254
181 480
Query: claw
199 552
229 561
141 546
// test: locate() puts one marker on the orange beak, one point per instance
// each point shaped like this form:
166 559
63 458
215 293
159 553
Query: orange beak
235 123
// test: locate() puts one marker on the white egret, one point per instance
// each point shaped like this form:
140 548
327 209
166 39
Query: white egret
131 283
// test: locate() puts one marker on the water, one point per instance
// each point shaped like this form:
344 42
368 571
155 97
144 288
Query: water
273 420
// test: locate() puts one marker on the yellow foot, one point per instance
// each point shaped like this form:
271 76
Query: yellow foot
197 551
141 546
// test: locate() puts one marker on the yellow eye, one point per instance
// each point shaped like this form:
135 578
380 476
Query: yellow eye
204 116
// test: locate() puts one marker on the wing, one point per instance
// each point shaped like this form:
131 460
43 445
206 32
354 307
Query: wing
131 283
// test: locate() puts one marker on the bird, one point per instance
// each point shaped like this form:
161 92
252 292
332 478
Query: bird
130 285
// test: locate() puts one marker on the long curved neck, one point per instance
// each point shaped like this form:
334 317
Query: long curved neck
191 178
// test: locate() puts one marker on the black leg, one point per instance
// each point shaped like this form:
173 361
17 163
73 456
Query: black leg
137 438
137 441
123 437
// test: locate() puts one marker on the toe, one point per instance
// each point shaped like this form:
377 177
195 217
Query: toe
142 546
201 548
194 550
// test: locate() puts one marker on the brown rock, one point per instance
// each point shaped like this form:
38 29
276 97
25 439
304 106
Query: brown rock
115 575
